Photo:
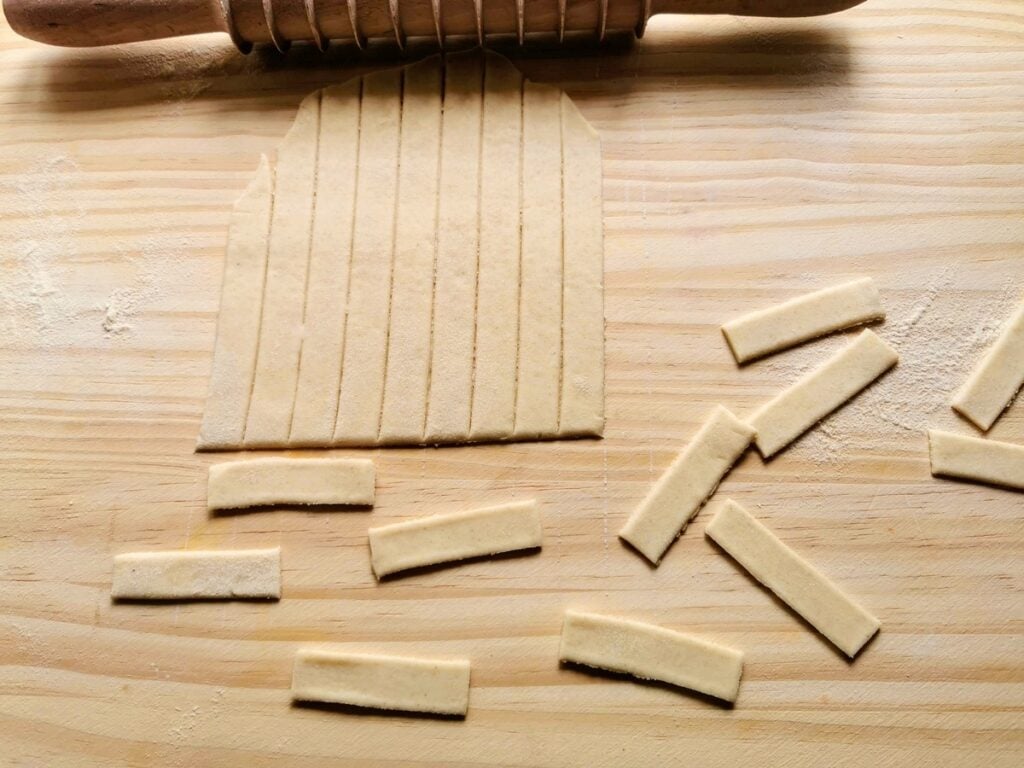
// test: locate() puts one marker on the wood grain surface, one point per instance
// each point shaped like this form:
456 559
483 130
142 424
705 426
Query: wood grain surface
746 162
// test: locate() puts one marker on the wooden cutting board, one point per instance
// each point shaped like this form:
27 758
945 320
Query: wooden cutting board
746 162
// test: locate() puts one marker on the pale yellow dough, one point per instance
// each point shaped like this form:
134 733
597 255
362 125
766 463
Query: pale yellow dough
687 484
972 458
793 579
791 413
651 652
803 318
456 536
198 575
256 482
438 686
998 377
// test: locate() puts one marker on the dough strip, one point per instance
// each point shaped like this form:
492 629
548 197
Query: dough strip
197 575
256 482
973 458
997 378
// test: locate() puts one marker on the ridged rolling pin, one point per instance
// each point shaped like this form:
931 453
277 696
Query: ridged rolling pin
85 23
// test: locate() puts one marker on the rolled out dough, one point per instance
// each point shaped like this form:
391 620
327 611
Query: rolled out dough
256 482
198 575
791 413
793 579
803 318
438 686
651 652
457 536
997 378
687 484
973 458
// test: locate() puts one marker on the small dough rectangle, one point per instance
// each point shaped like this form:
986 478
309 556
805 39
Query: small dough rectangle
687 484
457 536
650 652
198 575
998 377
974 458
803 318
813 397
799 584
437 686
258 482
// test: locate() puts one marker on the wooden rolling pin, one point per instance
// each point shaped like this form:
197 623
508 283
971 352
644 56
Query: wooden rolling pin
106 22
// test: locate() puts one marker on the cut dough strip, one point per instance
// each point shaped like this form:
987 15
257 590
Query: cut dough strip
793 579
998 377
801 319
687 484
972 458
198 575
437 686
256 482
788 415
651 652
447 538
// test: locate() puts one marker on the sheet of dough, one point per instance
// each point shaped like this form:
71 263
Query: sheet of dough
997 378
438 686
316 400
456 536
651 652
814 396
197 575
972 458
540 310
687 484
803 318
497 323
451 368
258 482
405 382
238 323
277 363
369 291
799 584
582 405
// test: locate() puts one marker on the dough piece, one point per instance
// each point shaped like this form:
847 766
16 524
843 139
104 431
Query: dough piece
277 363
198 575
795 581
369 290
316 401
972 458
687 484
813 397
405 383
451 372
238 325
651 652
801 319
582 406
438 686
258 482
497 323
540 310
457 536
997 378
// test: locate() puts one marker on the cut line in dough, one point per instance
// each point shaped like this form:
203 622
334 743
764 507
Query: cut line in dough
804 318
796 582
259 482
198 575
436 686
997 378
650 652
789 414
457 536
684 487
976 459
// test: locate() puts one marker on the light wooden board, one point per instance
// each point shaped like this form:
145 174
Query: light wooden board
746 162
